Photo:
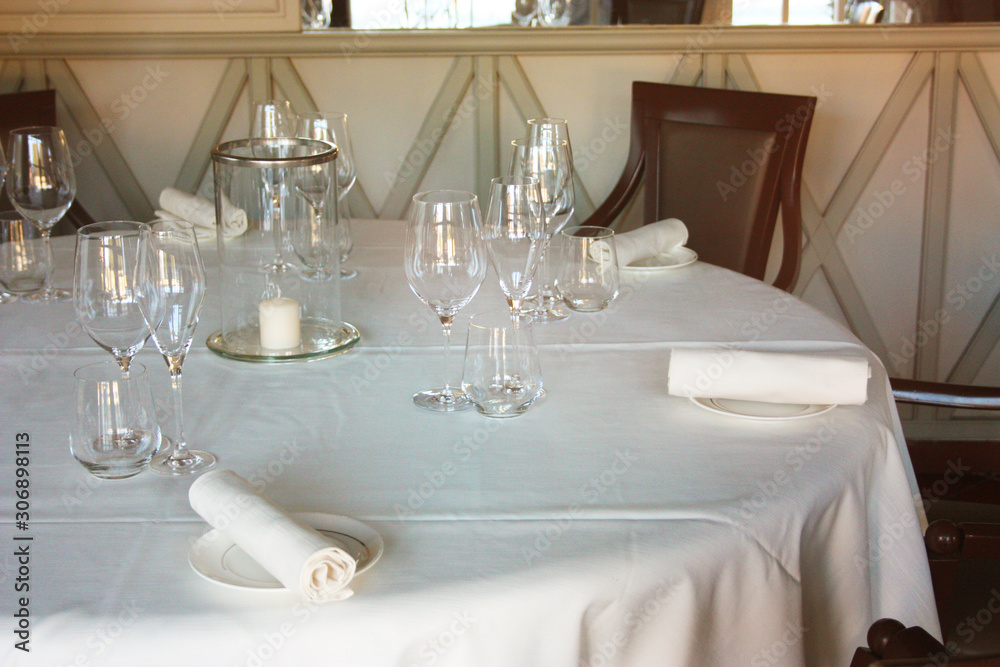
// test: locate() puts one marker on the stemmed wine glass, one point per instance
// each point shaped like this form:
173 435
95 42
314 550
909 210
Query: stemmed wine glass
514 234
445 263
5 297
274 119
173 278
41 185
332 128
107 287
314 236
551 162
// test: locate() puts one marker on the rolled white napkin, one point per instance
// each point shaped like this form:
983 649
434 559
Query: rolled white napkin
295 554
200 212
772 377
201 233
647 241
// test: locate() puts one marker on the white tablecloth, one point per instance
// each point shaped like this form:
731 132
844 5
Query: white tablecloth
610 525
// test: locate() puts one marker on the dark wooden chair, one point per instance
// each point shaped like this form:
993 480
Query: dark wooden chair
36 108
890 643
960 487
656 12
724 162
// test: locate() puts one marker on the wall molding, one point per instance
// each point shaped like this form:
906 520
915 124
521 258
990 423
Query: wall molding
514 41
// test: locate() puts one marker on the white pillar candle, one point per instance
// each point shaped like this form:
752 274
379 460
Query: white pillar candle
279 324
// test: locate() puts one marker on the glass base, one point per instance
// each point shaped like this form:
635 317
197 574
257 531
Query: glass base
546 315
347 274
52 295
188 463
7 298
439 401
320 339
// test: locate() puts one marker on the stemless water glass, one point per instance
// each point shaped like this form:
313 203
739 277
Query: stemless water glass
588 278
274 119
514 234
552 164
502 376
116 432
41 185
173 291
24 264
332 127
107 287
445 264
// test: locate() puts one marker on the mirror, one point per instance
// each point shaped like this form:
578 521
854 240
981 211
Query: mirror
445 14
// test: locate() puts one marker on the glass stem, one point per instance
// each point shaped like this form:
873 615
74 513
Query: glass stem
446 321
46 236
180 444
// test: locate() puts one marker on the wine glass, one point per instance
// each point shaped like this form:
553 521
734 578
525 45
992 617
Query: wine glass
514 234
41 185
445 263
314 236
5 296
173 291
107 289
332 127
274 119
551 162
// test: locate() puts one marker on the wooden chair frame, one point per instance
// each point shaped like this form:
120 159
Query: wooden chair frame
787 118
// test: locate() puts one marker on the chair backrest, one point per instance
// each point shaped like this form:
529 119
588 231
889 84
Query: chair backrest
723 162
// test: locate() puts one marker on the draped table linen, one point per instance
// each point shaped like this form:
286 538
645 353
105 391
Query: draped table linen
612 524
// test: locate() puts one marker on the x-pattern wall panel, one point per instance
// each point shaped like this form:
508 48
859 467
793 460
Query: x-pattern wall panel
886 241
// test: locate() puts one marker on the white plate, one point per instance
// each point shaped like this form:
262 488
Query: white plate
215 557
760 410
673 259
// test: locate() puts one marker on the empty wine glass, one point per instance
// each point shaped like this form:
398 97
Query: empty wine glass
514 234
525 12
552 163
107 287
41 185
274 119
445 263
314 236
331 127
5 296
173 291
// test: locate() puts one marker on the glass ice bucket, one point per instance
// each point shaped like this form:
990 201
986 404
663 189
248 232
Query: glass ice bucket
279 257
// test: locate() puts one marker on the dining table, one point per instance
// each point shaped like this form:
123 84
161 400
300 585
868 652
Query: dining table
611 524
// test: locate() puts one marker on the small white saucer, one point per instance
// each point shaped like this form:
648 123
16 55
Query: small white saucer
674 259
216 558
760 410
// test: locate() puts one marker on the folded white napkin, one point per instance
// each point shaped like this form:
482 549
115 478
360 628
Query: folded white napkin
295 554
647 241
772 377
200 212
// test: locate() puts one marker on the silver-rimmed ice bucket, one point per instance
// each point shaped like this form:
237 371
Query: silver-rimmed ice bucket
277 226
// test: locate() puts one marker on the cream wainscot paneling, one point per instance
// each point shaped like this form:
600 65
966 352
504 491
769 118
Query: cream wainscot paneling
902 175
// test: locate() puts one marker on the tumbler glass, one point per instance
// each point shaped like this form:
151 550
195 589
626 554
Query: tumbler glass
116 432
502 376
588 277
23 261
